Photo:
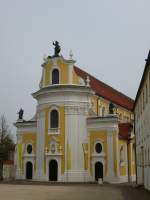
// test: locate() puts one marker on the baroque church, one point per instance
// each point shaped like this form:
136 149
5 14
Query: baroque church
82 130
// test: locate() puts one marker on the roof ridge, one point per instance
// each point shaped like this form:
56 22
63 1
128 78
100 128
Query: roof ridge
106 84
142 78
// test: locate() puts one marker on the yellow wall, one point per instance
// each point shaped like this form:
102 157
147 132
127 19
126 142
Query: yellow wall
131 154
102 137
86 157
64 68
63 72
60 138
123 168
75 78
27 138
127 115
103 103
115 137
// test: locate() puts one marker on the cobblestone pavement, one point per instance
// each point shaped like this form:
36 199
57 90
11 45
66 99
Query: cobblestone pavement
71 192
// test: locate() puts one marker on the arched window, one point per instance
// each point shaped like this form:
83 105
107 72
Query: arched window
54 119
55 76
98 148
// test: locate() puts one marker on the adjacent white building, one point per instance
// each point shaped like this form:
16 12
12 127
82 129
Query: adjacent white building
142 127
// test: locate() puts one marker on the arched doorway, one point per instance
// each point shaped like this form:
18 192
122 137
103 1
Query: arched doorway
29 170
53 170
98 171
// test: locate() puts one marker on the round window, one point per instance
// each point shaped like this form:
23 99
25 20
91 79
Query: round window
98 148
29 148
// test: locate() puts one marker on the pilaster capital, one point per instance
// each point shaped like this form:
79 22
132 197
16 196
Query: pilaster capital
110 131
75 110
19 138
40 114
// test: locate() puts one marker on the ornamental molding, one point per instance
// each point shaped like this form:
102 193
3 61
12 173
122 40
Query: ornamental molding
99 155
40 115
25 124
49 154
29 155
22 130
74 109
53 105
61 89
101 127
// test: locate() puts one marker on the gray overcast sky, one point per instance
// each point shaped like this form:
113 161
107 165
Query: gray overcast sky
109 39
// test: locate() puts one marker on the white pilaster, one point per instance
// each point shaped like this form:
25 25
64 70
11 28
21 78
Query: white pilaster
76 133
40 146
110 157
117 155
19 171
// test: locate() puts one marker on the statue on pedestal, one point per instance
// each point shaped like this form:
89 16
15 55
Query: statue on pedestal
56 49
111 108
20 113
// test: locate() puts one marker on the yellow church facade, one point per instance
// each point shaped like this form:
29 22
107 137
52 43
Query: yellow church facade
74 137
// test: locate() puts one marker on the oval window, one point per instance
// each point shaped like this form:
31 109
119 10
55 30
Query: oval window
29 148
98 148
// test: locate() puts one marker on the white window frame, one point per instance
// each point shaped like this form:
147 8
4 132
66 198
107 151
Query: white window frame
54 131
59 70
98 141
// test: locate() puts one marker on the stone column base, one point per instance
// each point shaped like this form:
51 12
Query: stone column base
40 176
109 179
76 176
19 174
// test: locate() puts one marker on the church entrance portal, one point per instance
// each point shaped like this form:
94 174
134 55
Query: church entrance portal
29 170
53 170
98 171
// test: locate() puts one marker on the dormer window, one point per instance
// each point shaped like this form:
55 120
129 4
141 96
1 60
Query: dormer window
55 76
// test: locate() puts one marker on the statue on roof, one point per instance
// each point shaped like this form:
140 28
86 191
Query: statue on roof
111 108
20 113
56 49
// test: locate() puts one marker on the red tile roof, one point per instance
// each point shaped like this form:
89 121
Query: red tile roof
8 162
106 91
125 130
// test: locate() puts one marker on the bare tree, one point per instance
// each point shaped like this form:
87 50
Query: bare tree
6 143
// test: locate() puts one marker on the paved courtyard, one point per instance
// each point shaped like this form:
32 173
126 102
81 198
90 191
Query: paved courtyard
71 192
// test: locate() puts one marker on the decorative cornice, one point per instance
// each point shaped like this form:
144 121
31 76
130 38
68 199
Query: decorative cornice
76 109
107 119
61 88
25 124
